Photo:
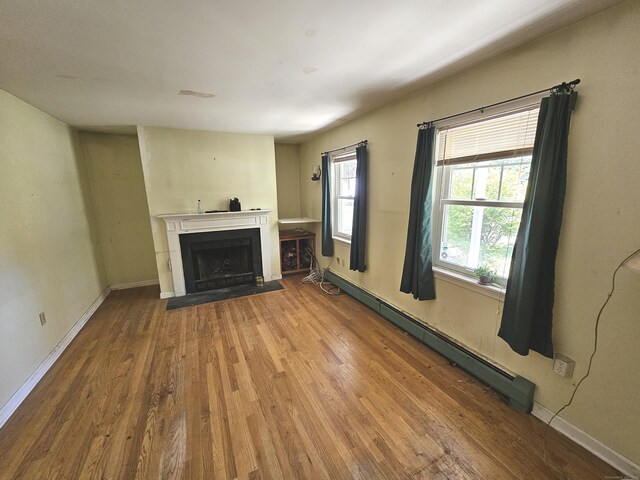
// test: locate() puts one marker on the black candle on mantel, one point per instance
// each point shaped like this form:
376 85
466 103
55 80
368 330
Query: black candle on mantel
234 205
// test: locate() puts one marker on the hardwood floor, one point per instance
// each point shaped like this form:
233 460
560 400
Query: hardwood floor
288 384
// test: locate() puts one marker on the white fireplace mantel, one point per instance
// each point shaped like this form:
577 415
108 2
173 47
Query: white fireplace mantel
182 223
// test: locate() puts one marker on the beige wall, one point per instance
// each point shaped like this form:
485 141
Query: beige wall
182 166
288 179
120 201
600 225
49 254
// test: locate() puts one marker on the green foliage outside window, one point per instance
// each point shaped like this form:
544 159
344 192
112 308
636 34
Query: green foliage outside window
506 181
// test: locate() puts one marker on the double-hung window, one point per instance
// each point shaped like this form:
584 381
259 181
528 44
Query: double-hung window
482 176
343 179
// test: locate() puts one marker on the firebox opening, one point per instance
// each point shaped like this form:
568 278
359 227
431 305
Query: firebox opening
220 259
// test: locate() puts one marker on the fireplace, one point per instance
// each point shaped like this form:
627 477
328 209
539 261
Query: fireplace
220 259
179 225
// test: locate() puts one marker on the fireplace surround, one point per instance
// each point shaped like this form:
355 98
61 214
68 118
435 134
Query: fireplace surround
179 225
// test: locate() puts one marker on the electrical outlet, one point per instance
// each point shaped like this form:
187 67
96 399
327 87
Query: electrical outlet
43 318
343 262
563 365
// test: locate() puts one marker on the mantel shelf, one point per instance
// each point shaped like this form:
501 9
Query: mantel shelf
193 215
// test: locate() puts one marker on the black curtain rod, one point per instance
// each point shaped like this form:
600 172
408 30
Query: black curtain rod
361 142
562 87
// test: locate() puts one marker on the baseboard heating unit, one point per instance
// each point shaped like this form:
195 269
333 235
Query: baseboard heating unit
517 389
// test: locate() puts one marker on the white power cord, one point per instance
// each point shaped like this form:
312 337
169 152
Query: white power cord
316 275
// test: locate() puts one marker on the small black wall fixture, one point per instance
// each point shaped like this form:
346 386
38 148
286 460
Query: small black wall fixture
315 173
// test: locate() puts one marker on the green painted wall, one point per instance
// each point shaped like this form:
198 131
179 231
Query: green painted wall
50 257
120 201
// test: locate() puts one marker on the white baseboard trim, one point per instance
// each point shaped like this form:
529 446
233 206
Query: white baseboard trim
143 283
14 402
599 449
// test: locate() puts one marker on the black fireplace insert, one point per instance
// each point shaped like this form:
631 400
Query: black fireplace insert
222 259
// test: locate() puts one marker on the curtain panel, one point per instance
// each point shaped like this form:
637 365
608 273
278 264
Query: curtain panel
359 231
327 234
417 273
528 305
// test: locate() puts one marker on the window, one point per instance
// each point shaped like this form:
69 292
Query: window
343 175
482 176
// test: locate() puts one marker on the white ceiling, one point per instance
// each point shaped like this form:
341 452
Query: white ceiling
281 67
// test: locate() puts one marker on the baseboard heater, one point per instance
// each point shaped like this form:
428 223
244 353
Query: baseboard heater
517 389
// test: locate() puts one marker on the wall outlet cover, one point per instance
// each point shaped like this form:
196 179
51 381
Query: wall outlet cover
563 365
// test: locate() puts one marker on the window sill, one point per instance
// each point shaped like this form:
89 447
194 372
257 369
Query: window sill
494 290
344 241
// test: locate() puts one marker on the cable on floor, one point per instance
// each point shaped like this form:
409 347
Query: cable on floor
316 275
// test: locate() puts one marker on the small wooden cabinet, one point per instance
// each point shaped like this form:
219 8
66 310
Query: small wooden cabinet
296 250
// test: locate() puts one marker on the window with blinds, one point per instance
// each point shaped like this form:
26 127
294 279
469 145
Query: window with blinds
483 172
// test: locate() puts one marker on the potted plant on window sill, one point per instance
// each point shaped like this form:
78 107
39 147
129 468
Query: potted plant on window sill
485 275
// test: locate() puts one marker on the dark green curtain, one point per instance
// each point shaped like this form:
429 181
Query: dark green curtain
327 235
417 274
528 304
359 232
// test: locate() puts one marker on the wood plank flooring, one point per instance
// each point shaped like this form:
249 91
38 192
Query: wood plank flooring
284 385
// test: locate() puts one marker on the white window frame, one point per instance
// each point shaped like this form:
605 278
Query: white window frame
442 180
335 159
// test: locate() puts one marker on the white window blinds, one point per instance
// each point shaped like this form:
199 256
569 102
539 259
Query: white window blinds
343 157
503 136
